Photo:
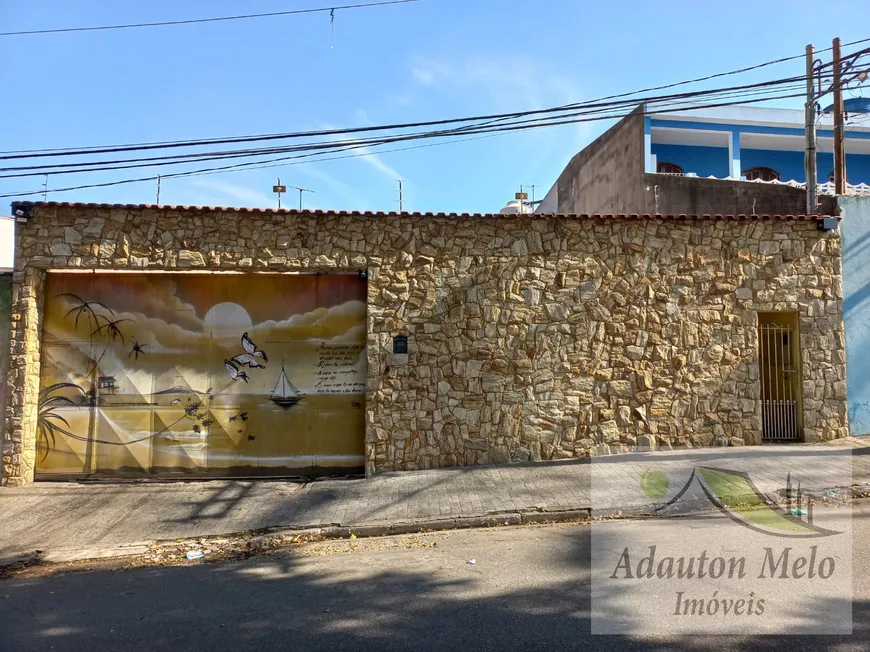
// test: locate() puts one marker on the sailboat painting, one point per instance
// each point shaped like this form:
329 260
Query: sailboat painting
285 393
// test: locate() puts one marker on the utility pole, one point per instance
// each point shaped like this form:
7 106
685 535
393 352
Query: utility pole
278 190
401 205
839 136
158 190
810 155
45 189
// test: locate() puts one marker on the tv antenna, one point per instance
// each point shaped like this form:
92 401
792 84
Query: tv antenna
301 190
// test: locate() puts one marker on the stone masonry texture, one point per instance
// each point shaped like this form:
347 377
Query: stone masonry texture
529 337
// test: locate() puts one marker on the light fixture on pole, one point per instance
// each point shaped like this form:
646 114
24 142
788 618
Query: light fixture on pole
278 190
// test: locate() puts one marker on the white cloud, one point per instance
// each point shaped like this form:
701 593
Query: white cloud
375 161
242 194
427 71
498 83
403 99
364 153
516 82
355 199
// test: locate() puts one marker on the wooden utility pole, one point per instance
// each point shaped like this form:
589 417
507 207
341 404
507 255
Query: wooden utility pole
810 124
839 135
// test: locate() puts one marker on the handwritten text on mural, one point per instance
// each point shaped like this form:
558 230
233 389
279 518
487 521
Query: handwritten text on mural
339 369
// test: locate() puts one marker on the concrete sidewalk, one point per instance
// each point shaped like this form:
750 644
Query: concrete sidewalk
72 516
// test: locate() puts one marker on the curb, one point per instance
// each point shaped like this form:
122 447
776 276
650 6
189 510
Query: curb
276 536
63 555
280 536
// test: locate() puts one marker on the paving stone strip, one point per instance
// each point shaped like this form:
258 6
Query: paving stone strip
78 520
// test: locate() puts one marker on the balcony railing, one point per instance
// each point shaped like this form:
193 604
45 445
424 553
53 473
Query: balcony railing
860 189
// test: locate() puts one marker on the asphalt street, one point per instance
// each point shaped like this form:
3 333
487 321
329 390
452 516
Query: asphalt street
517 588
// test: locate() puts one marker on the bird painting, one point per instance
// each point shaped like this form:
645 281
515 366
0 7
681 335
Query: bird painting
252 349
248 360
234 372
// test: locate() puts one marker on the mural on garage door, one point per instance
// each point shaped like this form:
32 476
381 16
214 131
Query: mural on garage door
209 374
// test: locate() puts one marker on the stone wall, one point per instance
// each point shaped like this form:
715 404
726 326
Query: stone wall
5 297
530 337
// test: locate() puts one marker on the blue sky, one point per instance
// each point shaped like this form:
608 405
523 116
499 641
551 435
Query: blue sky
419 61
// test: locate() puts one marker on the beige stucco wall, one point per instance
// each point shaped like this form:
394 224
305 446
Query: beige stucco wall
530 337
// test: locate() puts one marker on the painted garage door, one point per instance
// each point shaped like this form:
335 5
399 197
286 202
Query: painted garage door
202 374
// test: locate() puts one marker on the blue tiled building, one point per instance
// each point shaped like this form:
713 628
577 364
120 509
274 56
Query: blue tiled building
754 143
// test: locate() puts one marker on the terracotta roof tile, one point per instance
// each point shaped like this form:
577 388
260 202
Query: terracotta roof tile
375 214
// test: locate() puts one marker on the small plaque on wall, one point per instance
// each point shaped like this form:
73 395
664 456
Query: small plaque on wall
400 345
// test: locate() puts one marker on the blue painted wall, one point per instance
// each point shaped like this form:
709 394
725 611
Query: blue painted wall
790 165
703 161
713 161
855 233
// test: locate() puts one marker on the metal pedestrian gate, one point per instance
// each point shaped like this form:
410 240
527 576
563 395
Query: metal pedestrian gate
779 372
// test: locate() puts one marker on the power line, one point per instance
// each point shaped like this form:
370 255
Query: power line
581 112
265 164
192 21
743 70
255 165
317 148
582 109
89 150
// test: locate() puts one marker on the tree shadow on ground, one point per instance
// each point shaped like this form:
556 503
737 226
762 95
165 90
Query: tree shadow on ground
411 599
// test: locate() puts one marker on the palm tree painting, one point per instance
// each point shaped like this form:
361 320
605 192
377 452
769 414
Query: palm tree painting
101 322
111 330
83 308
50 422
